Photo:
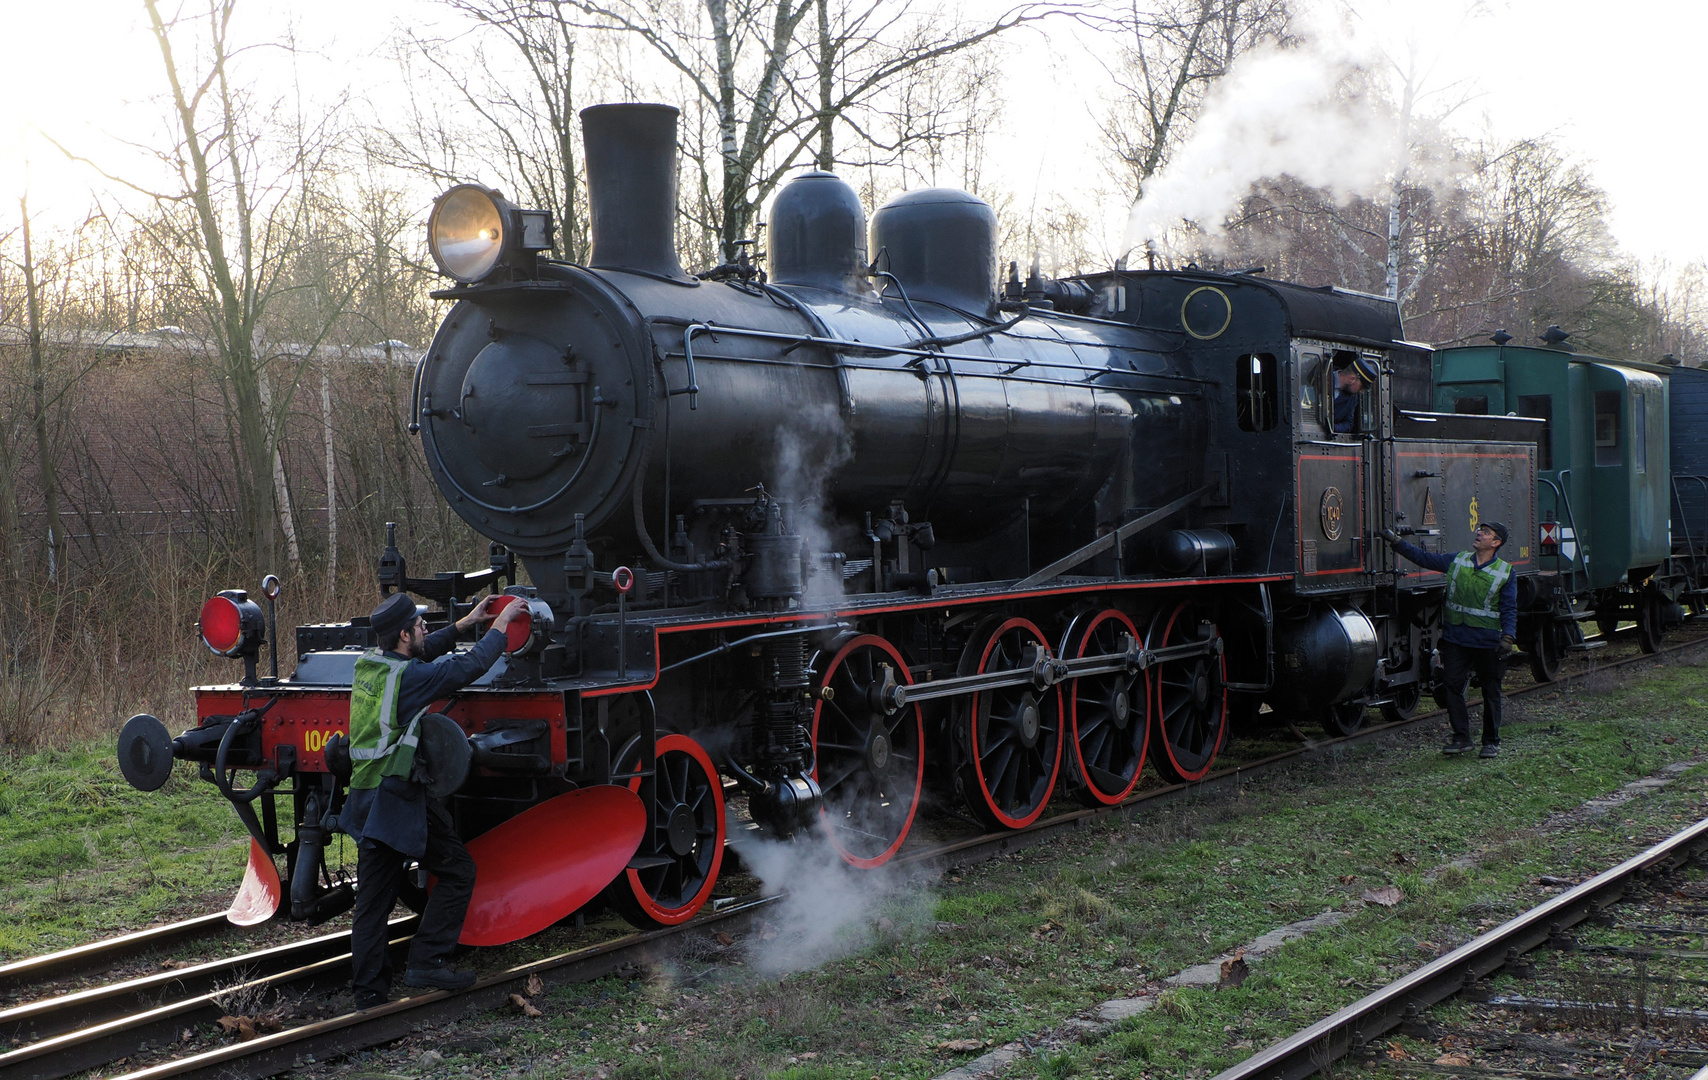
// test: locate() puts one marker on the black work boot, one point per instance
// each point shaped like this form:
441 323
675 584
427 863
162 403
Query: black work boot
438 975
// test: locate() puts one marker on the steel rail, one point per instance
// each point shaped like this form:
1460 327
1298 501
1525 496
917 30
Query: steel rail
98 954
268 1055
51 1016
1307 1052
79 1030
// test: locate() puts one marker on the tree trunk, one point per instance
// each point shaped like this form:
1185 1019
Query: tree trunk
1396 190
55 534
280 486
568 234
331 478
826 89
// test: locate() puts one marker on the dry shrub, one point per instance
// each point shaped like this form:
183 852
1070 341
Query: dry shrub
81 658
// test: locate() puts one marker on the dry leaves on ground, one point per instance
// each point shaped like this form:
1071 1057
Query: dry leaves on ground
524 1006
1234 970
1387 895
961 1045
248 1027
1453 1059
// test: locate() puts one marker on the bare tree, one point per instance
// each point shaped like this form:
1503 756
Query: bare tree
523 100
776 83
238 210
1176 50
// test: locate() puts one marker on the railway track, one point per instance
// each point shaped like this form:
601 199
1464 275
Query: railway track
1601 976
71 1032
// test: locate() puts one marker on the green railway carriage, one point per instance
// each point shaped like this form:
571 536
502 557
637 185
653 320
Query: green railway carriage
1688 399
1604 487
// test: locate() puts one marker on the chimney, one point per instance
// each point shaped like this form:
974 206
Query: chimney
630 153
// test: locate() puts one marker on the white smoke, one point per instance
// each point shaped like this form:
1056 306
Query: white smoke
1296 111
808 452
828 909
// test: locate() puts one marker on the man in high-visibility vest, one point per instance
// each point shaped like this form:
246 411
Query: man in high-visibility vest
388 812
1481 625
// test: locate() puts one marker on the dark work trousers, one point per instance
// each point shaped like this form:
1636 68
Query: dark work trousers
379 874
1457 663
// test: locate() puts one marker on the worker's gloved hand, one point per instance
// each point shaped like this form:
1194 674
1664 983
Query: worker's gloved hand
1507 646
1390 536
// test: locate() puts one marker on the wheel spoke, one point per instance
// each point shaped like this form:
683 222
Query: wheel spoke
829 785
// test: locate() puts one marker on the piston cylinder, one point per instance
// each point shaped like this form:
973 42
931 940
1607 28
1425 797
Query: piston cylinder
1326 657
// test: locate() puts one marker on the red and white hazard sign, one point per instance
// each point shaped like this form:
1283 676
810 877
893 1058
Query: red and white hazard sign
1550 534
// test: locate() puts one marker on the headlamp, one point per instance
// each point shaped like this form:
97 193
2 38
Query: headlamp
474 230
232 625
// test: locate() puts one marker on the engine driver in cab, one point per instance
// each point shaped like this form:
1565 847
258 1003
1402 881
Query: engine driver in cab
1481 620
1350 382
389 813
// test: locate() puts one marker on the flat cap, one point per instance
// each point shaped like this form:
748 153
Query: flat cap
1495 527
394 613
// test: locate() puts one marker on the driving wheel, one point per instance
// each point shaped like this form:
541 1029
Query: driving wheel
1108 714
1010 738
869 761
1189 708
672 874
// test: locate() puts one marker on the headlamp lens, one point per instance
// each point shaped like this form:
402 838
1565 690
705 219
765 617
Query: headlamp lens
466 234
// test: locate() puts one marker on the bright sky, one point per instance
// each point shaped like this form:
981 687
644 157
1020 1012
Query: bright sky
1618 86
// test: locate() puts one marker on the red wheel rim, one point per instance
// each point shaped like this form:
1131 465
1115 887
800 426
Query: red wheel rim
865 775
1161 712
1050 760
672 780
1090 786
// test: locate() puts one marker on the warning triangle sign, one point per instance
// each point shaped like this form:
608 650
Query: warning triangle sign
1429 508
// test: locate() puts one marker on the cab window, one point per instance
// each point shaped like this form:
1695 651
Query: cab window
1255 391
1363 415
1310 376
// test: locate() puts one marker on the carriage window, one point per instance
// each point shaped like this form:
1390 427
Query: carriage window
1639 426
1472 406
1607 428
1254 389
1541 407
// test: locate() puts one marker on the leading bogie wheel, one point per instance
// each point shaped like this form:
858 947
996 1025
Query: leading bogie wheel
1108 714
1342 718
1403 704
672 875
869 761
1189 707
1009 738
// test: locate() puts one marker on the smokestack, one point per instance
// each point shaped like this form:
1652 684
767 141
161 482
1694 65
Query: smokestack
630 153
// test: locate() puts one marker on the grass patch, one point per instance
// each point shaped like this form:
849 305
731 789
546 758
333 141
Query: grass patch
1024 943
84 855
1013 948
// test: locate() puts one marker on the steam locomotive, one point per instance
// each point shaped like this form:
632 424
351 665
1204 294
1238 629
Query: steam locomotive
803 549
